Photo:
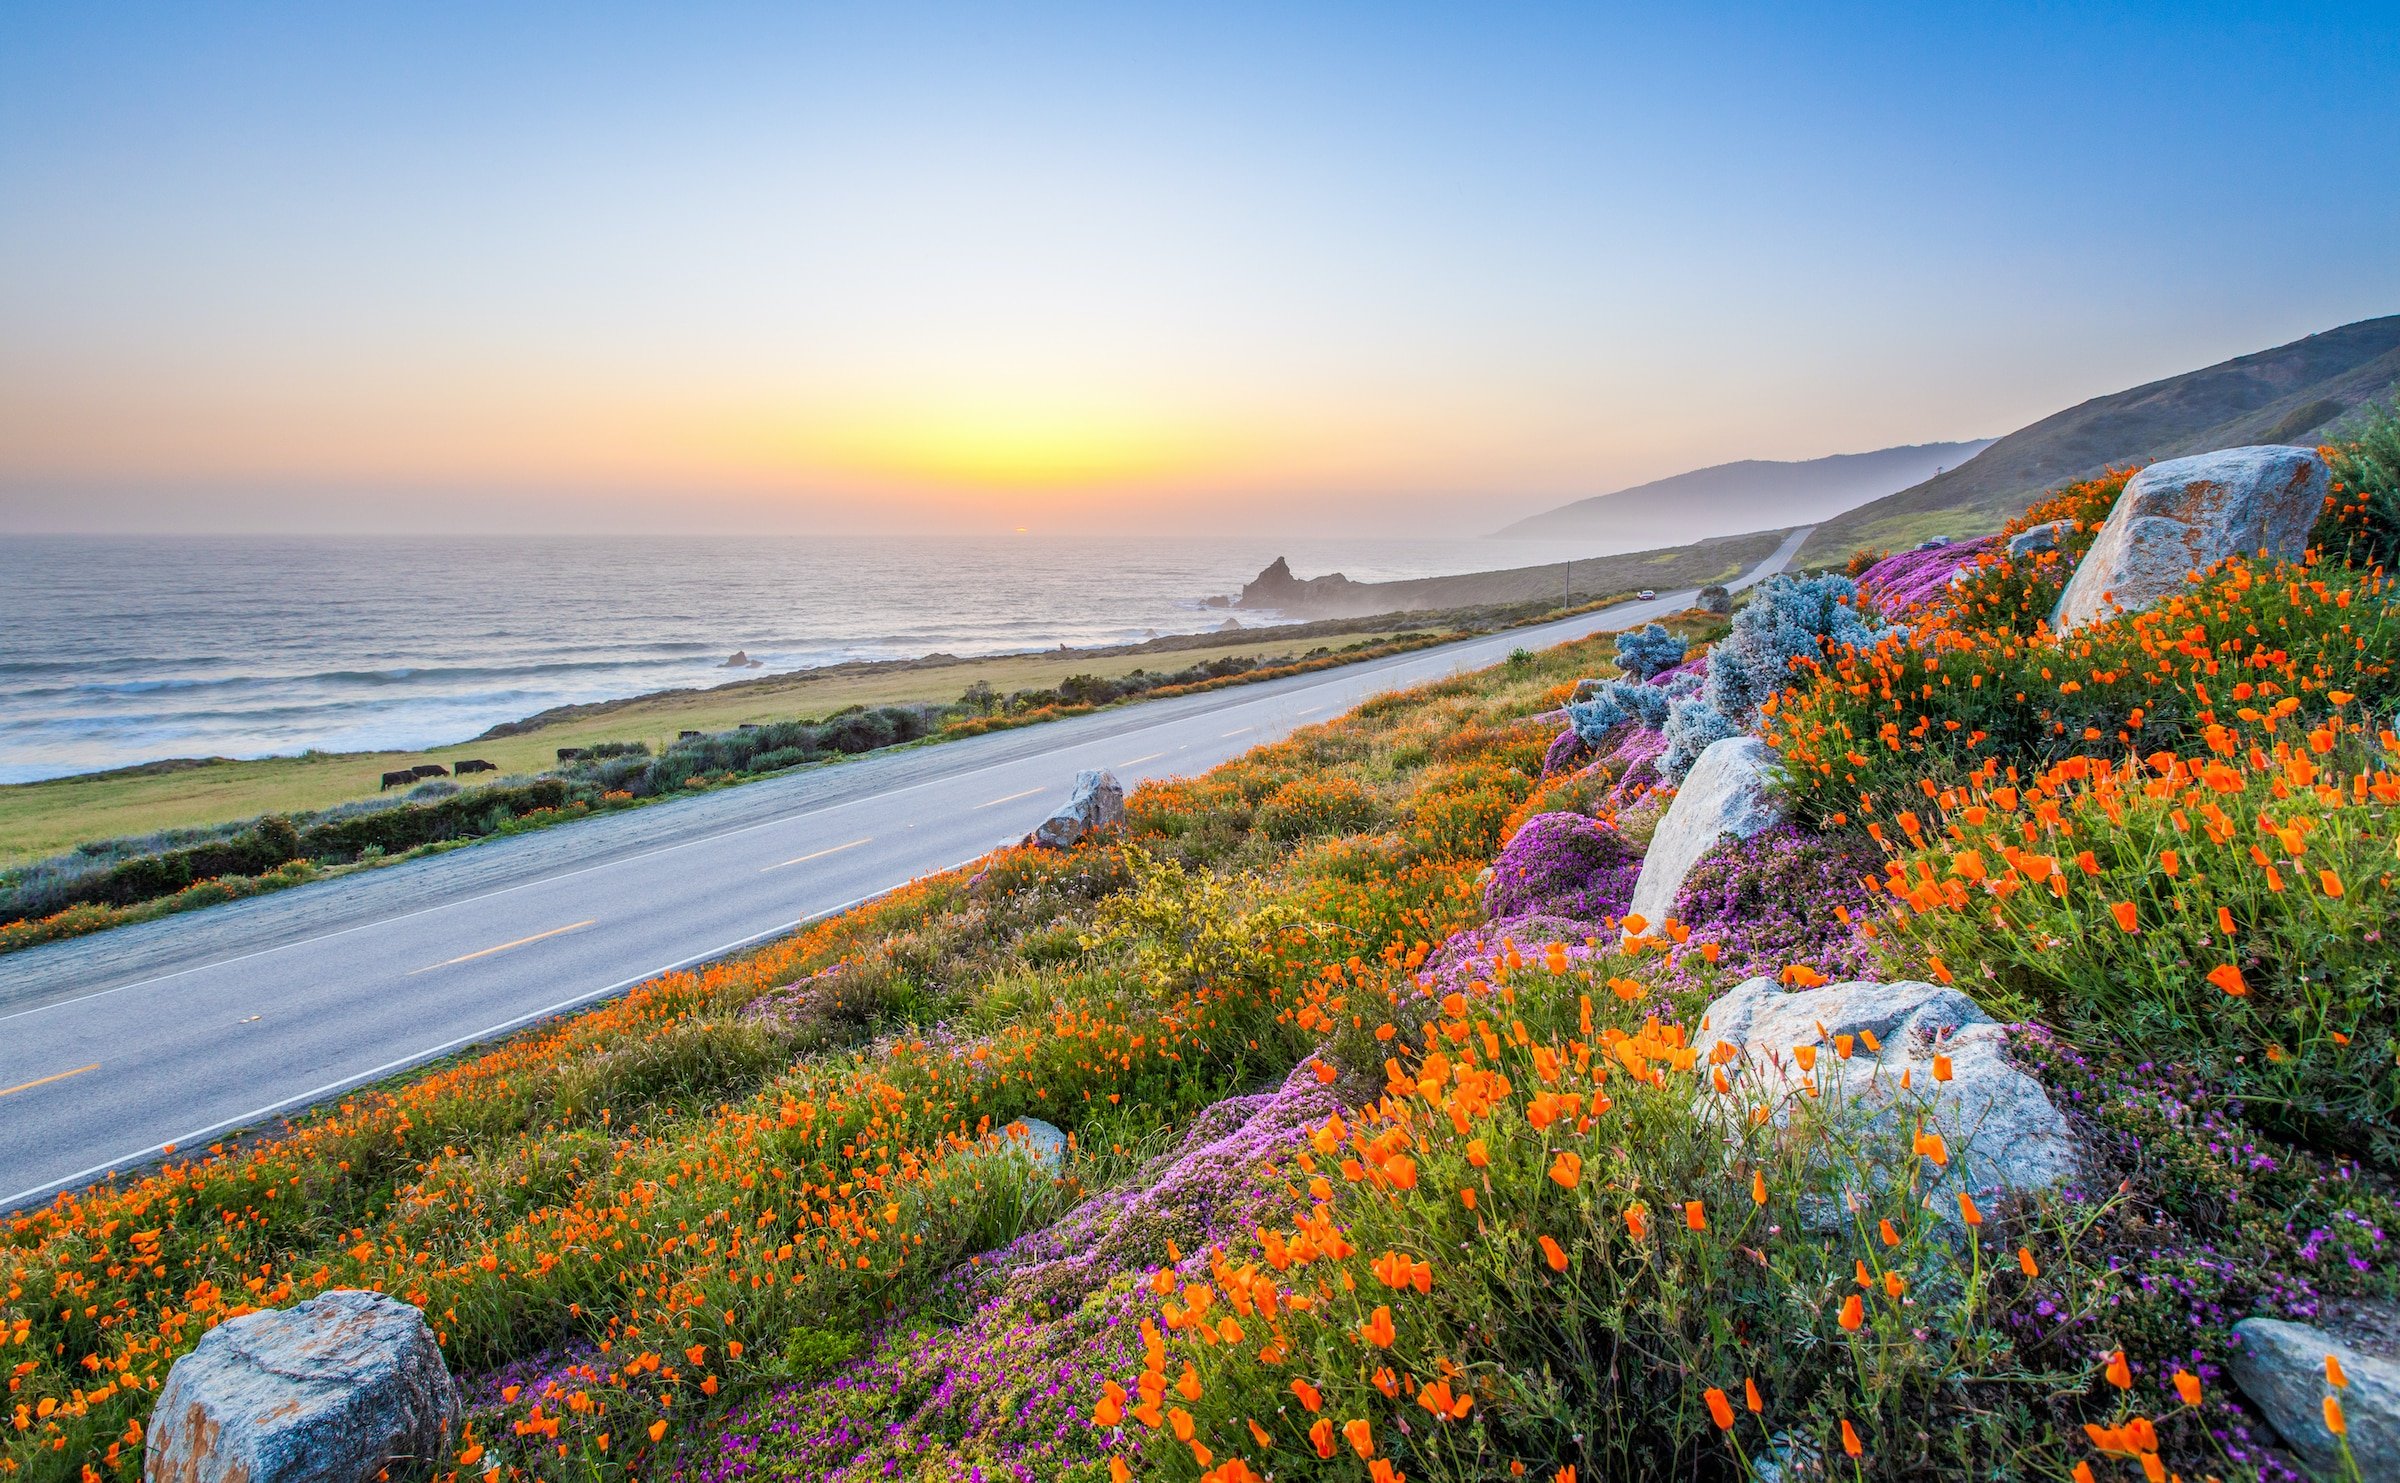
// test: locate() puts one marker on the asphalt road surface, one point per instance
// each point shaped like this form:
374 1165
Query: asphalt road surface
178 1030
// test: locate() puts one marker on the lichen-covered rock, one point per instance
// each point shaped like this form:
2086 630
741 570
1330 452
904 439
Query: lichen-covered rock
1096 802
2000 1129
2186 514
1725 794
334 1390
2280 1366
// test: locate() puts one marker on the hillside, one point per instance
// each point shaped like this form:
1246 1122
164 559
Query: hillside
2291 394
1752 494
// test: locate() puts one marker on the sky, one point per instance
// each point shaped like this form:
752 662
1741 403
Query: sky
1319 269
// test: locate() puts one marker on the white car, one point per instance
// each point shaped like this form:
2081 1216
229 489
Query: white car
1646 593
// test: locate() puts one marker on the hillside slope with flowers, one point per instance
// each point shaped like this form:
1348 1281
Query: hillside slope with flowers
1395 1148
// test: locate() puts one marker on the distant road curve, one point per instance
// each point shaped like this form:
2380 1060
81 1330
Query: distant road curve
178 1030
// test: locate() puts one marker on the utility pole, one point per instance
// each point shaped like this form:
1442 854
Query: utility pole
1566 596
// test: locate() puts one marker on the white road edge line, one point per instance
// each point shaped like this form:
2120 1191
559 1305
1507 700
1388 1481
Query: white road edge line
303 1099
1339 675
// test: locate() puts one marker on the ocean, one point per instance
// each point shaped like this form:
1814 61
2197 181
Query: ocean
115 651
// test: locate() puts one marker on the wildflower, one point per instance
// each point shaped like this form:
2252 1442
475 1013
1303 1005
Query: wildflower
1967 1211
1941 1067
2334 1374
2026 1263
1566 1171
1637 1220
1750 1396
1853 1313
1758 1187
1850 1442
1720 1410
2335 1422
2119 1373
2229 978
1378 1330
2187 1385
1320 1436
2123 912
1554 1254
1477 1154
1695 1217
1361 1436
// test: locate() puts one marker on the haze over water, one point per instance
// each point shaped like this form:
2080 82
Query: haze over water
115 651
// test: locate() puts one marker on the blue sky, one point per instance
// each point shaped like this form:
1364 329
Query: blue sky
859 266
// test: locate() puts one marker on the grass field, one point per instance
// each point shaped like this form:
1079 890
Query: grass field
41 819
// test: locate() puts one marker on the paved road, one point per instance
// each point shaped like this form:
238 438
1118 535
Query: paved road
178 1030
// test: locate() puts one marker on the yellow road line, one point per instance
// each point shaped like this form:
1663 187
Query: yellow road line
1013 797
819 855
504 947
43 1081
1239 730
1153 757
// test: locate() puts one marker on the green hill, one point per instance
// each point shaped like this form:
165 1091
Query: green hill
2293 393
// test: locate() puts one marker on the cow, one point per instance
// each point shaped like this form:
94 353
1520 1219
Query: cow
686 735
474 764
570 754
430 770
400 779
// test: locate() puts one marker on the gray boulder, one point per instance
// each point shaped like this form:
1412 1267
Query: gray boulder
2185 514
1095 802
2043 537
2000 1129
2280 1366
334 1390
1725 794
1714 599
1043 1143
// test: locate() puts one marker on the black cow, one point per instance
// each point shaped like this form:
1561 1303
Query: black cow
474 764
570 754
400 779
430 770
686 736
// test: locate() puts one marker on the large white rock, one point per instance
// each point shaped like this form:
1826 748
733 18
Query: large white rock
1096 802
2000 1129
2180 516
334 1390
2281 1367
1724 795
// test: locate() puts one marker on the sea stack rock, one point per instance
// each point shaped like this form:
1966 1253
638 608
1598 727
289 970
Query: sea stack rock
1276 587
2187 514
339 1389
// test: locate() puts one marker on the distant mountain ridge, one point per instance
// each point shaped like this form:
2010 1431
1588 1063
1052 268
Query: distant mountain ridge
1752 494
2292 393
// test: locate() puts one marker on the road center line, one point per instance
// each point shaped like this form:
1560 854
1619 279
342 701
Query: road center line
1153 757
1011 798
43 1081
504 947
819 855
1241 730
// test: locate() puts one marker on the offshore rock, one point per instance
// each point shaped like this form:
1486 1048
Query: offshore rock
1724 794
2187 514
334 1390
